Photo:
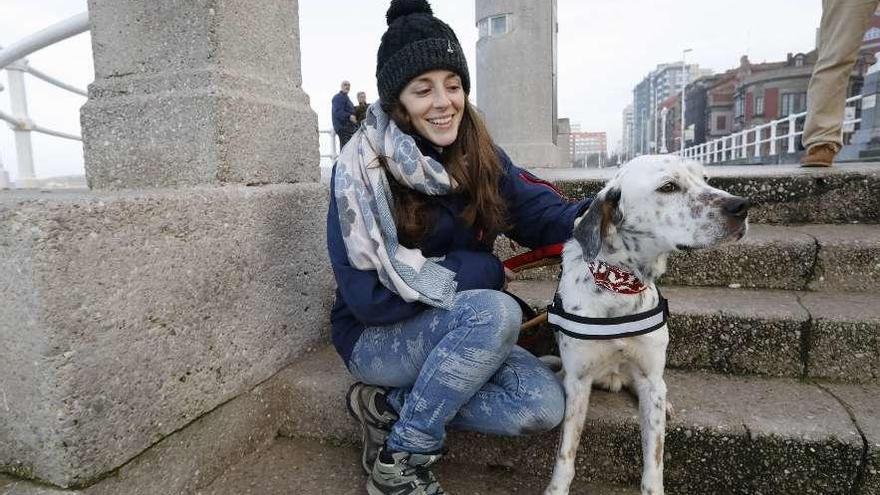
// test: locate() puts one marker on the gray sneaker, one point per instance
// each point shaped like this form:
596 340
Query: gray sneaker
408 474
375 426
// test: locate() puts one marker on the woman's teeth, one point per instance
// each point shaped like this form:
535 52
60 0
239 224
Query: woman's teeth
441 121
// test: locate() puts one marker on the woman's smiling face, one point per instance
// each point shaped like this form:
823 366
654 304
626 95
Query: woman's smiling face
434 102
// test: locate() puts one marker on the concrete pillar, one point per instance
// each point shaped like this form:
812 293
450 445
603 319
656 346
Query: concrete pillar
663 114
4 176
564 142
197 92
520 109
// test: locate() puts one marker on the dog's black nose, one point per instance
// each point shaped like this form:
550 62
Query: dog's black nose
736 207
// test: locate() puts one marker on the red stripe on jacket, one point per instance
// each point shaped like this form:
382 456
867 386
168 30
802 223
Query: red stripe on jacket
541 182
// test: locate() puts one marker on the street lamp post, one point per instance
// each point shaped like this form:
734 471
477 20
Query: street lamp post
683 86
663 149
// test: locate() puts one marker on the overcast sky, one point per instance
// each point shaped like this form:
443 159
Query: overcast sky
605 48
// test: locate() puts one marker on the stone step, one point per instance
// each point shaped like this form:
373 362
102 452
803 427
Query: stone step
783 194
731 435
821 335
804 257
312 467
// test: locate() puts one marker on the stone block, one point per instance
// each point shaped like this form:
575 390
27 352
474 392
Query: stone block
864 403
844 336
848 258
738 332
191 93
131 314
769 257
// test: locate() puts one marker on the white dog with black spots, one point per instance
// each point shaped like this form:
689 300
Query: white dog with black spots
653 206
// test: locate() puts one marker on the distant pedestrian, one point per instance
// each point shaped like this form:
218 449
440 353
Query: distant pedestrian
360 111
343 114
841 31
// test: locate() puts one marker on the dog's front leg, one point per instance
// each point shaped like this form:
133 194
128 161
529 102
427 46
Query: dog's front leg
577 401
652 413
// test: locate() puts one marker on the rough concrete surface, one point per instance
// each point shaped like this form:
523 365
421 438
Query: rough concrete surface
769 257
197 93
845 335
848 257
864 403
145 310
192 457
779 193
206 136
311 467
736 331
728 435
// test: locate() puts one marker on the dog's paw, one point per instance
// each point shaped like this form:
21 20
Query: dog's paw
670 411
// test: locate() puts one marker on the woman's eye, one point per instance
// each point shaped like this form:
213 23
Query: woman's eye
669 187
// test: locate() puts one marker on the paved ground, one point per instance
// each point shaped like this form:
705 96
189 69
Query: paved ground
304 467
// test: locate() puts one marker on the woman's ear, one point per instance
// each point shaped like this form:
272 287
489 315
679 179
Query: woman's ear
592 227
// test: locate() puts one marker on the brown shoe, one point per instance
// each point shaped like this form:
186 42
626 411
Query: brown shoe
819 155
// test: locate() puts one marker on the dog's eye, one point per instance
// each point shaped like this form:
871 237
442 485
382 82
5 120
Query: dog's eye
669 187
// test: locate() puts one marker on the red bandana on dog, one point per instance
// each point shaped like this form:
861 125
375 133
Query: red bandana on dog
615 279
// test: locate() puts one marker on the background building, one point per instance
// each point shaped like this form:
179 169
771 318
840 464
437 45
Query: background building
660 84
710 106
871 41
520 109
588 149
754 94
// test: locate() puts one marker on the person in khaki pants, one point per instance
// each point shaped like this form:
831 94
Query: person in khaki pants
841 31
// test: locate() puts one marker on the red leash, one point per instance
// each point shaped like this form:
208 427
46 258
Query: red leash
542 256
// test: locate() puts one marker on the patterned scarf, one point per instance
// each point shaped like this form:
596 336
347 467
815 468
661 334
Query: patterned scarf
364 200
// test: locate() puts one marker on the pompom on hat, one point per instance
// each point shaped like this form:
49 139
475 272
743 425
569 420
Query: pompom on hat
416 42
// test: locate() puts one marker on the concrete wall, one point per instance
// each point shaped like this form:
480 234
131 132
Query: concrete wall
519 104
132 310
132 314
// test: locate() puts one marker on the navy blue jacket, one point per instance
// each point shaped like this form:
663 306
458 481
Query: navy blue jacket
343 108
538 216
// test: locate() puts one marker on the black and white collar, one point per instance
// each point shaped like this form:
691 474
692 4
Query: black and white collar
584 328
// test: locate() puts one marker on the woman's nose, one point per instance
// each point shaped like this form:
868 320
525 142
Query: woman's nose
441 100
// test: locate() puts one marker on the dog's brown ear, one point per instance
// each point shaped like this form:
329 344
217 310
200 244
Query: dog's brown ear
592 226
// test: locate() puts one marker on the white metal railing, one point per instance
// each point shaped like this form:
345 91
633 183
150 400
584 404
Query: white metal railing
332 135
331 156
12 58
761 140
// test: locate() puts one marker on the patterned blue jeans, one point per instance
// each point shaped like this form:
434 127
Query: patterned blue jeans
460 368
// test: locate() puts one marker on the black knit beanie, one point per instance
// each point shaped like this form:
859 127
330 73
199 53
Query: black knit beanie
416 42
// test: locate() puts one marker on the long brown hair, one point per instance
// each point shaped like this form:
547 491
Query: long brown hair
472 161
